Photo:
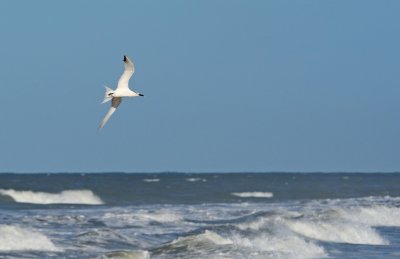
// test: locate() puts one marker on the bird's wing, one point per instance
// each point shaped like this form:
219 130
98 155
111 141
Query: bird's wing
114 104
128 72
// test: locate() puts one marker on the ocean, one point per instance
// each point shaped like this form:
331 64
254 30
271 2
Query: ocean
204 215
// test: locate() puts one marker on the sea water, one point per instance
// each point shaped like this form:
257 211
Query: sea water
213 215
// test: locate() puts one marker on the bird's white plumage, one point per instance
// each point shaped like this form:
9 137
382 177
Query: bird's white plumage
114 105
122 90
126 75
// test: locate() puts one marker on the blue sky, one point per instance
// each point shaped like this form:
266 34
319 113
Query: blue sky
229 86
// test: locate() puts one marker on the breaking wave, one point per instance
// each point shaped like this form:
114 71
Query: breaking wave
141 218
352 223
338 232
206 237
376 215
279 246
64 197
244 246
253 194
196 179
14 238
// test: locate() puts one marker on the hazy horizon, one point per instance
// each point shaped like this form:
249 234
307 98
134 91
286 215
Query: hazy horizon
205 172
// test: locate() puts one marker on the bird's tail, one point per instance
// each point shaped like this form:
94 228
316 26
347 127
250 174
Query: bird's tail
108 94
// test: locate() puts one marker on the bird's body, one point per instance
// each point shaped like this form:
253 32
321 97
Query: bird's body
122 90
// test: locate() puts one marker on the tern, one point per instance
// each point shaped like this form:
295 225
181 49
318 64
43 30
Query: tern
122 90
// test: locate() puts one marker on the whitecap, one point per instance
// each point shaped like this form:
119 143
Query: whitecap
376 215
13 238
141 217
196 179
253 194
339 232
162 216
280 246
259 223
202 245
206 237
215 238
64 197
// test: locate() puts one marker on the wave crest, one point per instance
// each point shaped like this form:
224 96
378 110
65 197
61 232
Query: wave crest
64 197
253 194
11 237
206 237
376 215
279 246
337 232
196 179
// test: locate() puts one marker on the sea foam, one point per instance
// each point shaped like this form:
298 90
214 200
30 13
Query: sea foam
205 237
13 238
196 179
338 232
253 194
142 217
279 246
377 215
64 197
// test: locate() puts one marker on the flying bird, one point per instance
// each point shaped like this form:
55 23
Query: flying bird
122 90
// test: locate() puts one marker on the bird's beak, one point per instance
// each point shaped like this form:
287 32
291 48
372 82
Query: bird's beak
141 95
